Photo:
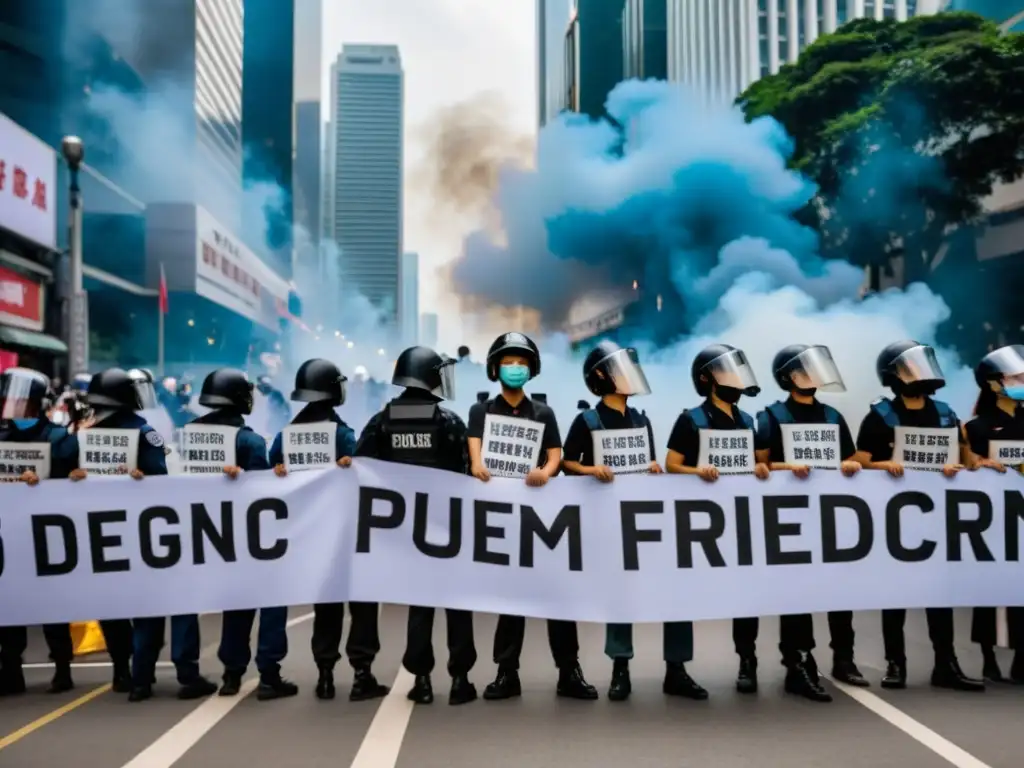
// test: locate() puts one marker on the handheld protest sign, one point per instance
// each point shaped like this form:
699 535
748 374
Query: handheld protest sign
730 451
929 448
18 458
108 451
208 448
1009 452
309 446
812 445
510 446
624 451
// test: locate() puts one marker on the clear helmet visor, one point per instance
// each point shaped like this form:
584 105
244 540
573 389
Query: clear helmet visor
446 375
814 368
623 369
143 382
1009 363
22 394
732 370
917 364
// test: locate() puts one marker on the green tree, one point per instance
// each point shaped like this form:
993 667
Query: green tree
905 127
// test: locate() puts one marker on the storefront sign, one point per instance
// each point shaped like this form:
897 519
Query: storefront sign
28 185
21 301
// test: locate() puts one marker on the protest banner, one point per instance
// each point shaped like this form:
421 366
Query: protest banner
309 446
640 549
510 446
730 451
624 451
18 458
108 451
926 447
208 448
812 445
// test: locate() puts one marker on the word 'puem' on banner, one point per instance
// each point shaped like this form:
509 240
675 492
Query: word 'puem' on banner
641 549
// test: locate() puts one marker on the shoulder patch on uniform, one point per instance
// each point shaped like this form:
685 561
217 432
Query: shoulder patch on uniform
153 438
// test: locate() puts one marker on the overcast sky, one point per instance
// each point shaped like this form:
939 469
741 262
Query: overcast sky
451 50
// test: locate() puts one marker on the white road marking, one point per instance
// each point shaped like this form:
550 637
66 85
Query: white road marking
919 732
383 740
85 665
173 744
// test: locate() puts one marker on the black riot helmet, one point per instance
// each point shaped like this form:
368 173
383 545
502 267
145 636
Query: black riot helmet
806 369
227 389
319 381
23 393
512 344
113 389
613 370
423 368
727 368
910 368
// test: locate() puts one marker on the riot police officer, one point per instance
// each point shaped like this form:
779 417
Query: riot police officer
912 372
614 375
721 375
228 393
414 429
803 371
22 405
115 397
998 415
514 360
321 386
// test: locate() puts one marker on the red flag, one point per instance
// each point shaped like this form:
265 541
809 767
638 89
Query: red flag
164 306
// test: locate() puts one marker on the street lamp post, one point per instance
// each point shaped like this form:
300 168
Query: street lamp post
78 316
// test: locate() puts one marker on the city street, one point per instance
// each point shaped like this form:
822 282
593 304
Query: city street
919 727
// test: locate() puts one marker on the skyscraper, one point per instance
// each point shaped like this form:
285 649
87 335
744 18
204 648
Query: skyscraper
593 55
644 39
1007 13
428 329
409 298
366 112
308 203
722 46
552 19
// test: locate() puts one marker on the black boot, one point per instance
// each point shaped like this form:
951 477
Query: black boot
845 671
802 679
505 686
462 691
199 688
621 686
61 681
140 693
273 686
231 684
746 678
895 676
366 687
947 674
325 684
990 666
573 685
122 682
12 680
679 683
422 692
1017 668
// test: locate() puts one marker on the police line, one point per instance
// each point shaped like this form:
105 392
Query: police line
644 548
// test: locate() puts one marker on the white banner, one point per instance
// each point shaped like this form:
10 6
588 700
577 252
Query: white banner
730 451
926 447
108 451
624 451
641 549
208 448
812 445
510 446
309 446
18 458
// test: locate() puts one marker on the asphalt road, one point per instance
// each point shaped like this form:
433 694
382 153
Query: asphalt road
918 727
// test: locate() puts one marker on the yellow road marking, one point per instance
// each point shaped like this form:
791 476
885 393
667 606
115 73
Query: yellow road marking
49 717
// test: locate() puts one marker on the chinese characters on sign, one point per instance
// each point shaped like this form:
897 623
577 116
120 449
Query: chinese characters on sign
207 449
1009 452
730 451
18 458
510 446
926 448
624 451
811 445
28 177
21 300
108 451
309 446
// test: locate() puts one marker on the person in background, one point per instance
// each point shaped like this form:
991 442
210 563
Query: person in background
721 375
414 429
514 360
912 372
463 353
228 393
280 412
998 415
22 405
321 386
614 375
803 371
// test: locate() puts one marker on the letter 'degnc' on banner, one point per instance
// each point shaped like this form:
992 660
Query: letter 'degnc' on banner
646 548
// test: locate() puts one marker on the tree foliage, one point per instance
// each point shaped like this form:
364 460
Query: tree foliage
905 127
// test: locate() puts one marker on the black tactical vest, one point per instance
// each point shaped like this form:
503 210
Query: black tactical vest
412 433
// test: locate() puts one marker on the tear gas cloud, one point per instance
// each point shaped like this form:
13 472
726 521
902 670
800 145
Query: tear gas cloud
697 206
